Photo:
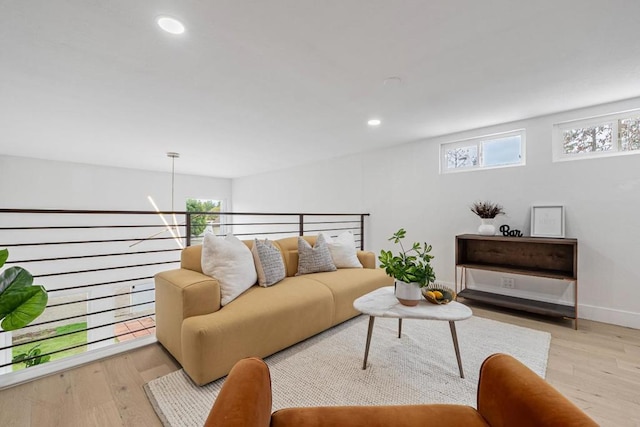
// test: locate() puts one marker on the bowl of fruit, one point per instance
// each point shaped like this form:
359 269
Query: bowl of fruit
438 294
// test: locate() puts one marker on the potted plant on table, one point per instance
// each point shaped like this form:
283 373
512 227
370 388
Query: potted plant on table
487 211
411 268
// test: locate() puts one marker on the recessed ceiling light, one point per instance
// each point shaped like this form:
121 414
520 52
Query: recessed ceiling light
374 122
170 25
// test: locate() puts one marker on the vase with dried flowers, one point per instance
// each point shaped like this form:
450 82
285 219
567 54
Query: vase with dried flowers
487 211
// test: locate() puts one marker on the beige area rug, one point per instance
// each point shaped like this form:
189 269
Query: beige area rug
326 369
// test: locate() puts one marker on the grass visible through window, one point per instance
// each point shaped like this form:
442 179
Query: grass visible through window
56 343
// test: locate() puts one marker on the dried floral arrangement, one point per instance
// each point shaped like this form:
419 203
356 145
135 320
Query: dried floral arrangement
487 209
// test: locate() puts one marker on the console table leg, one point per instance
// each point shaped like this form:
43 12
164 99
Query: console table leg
454 336
366 348
399 328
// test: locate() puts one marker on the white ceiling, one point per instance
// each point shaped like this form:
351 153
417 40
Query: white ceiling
254 86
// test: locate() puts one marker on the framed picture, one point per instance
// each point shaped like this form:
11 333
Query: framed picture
547 221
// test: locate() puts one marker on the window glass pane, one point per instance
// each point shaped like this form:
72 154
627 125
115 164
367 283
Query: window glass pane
588 139
462 157
629 131
502 151
202 223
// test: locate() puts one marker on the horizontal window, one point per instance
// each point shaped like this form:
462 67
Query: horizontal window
490 151
608 135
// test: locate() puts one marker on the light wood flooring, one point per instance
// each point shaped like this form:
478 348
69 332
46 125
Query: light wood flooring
597 367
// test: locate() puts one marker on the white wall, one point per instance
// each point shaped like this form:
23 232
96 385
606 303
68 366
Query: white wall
402 187
44 184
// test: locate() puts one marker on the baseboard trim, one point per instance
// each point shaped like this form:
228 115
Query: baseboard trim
628 319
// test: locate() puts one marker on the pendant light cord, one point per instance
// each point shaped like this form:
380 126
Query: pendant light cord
173 180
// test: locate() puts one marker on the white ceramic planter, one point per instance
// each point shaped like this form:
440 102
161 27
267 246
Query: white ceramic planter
408 293
487 227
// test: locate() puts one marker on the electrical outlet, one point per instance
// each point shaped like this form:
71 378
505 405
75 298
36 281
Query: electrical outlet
507 282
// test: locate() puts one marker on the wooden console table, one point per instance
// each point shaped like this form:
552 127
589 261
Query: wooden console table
530 256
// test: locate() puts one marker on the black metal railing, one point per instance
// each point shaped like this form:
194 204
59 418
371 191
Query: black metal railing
98 267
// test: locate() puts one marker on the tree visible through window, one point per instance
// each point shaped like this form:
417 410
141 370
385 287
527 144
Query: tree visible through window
505 149
200 221
601 136
629 130
462 157
588 139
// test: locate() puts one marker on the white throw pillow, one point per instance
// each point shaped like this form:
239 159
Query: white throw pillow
230 262
269 263
343 250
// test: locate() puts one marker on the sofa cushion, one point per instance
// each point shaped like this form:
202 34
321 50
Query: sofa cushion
269 263
348 284
259 323
343 250
314 259
230 262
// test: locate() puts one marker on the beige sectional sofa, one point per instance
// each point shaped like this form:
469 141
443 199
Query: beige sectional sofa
208 339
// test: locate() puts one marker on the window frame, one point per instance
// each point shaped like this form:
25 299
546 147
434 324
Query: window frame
558 141
478 142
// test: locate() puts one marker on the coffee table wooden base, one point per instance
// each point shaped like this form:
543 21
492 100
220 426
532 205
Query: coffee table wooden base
454 337
383 303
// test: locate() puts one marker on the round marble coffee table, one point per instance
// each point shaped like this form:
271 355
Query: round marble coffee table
383 303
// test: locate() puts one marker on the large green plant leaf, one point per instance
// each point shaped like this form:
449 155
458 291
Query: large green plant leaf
14 278
4 254
20 306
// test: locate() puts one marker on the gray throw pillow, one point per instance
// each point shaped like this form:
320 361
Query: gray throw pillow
314 259
269 263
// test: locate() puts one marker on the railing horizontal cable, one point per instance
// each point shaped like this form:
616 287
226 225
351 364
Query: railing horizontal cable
281 223
84 300
259 233
82 227
92 256
124 212
328 229
250 223
73 242
93 270
92 285
333 222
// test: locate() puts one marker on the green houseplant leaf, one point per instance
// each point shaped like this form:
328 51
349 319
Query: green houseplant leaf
411 265
4 254
15 277
20 306
20 301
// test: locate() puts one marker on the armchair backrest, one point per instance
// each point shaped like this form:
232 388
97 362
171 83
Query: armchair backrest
247 401
510 394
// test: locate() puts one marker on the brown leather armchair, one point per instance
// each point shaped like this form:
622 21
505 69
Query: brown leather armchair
509 394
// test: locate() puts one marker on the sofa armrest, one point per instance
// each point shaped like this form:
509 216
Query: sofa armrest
367 259
180 294
245 398
510 394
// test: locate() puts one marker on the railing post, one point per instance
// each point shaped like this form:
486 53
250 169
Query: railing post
301 225
187 225
361 232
